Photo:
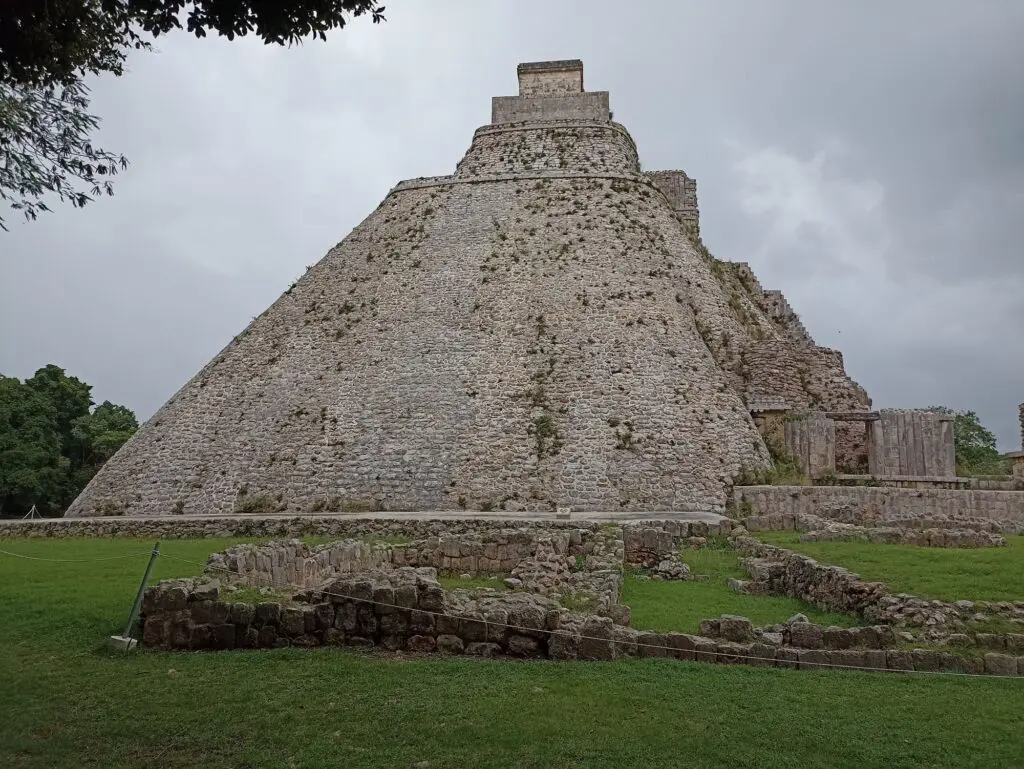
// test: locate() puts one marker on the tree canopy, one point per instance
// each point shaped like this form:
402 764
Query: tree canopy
51 442
47 48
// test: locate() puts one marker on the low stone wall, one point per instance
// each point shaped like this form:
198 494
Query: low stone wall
894 535
558 562
867 505
788 522
284 526
406 609
778 571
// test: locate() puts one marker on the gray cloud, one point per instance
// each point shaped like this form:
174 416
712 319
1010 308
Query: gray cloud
864 158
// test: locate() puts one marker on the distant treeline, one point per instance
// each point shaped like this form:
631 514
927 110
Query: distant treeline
52 440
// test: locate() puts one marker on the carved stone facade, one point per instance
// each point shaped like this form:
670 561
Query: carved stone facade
897 443
1017 457
542 328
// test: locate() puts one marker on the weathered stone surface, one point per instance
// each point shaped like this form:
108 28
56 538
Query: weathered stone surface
805 635
596 640
293 622
813 659
1000 664
267 614
762 655
990 641
450 644
242 614
837 638
153 630
421 643
523 646
787 657
652 645
847 658
222 636
731 653
483 649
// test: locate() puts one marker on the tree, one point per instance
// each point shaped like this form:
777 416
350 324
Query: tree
974 445
32 469
104 431
44 143
51 444
46 49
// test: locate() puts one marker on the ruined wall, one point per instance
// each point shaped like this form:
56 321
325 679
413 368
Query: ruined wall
681 192
177 527
874 504
592 105
907 442
544 78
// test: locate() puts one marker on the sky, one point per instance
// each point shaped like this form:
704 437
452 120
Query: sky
866 158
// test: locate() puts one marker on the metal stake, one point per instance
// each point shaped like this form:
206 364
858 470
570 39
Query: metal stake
138 598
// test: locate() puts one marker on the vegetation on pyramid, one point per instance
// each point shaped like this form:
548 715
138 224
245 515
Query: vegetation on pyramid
543 328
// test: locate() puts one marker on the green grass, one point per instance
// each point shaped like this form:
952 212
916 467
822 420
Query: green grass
949 574
680 606
66 703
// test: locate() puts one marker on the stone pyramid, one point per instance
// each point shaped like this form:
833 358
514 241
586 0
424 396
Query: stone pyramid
543 328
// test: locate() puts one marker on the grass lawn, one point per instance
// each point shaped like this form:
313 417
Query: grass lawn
64 702
680 606
950 574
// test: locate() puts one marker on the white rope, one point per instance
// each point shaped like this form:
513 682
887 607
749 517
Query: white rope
672 649
72 560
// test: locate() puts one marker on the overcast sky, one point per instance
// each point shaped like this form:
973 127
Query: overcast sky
867 158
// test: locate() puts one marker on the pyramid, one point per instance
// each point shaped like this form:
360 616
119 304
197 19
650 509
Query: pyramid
543 328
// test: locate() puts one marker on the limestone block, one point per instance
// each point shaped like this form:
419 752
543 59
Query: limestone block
268 613
653 645
293 623
596 639
423 644
1000 664
805 635
222 636
523 646
483 649
450 644
813 659
737 629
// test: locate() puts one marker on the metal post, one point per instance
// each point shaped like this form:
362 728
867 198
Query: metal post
142 589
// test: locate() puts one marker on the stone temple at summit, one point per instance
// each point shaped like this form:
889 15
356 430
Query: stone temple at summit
543 328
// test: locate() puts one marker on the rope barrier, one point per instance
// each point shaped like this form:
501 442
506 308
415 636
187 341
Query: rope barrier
639 644
72 560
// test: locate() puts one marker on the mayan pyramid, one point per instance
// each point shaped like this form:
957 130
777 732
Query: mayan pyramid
543 328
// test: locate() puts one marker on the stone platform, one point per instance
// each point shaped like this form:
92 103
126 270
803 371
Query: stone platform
332 524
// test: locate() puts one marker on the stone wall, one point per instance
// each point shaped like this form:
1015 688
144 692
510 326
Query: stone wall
911 443
915 531
778 571
542 78
592 105
1018 457
408 610
285 526
681 192
869 504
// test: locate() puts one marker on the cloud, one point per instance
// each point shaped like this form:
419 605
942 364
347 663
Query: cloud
874 172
